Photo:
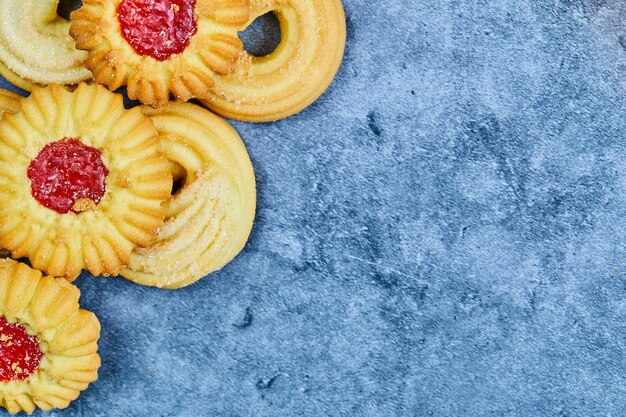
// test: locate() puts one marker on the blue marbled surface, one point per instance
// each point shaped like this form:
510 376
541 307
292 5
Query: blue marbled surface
441 234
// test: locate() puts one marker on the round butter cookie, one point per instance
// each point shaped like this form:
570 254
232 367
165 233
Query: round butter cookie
81 179
48 345
209 219
36 47
160 46
272 87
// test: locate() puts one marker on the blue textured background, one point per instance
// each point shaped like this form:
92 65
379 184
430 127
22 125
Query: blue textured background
441 234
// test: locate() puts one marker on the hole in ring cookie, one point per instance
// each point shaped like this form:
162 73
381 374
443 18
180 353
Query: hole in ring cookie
66 7
263 35
179 175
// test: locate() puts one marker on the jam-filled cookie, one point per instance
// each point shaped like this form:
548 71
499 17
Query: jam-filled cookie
48 345
35 45
81 179
272 87
210 218
9 103
160 46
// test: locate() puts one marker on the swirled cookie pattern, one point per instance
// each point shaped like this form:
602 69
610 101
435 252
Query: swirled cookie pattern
118 56
35 45
97 233
209 219
313 37
59 356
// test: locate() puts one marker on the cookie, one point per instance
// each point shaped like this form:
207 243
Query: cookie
48 345
9 102
82 181
35 45
158 47
272 87
209 219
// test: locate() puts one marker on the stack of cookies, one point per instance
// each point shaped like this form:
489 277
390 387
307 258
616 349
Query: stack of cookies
161 194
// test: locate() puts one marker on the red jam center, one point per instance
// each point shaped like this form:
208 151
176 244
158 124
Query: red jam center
19 352
67 175
157 28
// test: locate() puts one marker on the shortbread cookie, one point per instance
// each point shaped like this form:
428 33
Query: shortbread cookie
81 179
35 45
209 219
160 46
15 79
9 102
48 345
313 38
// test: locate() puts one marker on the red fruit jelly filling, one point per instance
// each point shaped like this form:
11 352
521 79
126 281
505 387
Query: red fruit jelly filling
19 352
68 175
157 28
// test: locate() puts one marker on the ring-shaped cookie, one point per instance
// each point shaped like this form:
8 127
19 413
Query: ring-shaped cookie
35 45
56 339
212 50
99 233
272 87
209 219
